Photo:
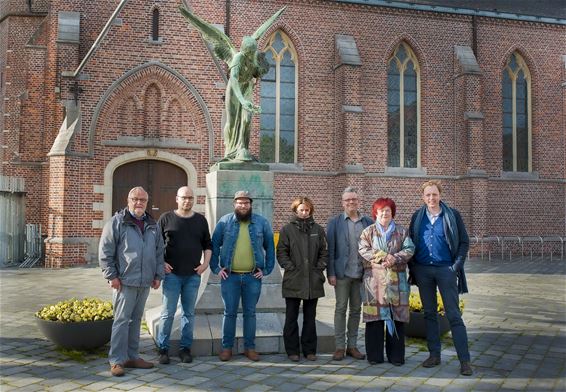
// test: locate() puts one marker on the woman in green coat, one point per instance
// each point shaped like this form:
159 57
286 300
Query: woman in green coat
302 253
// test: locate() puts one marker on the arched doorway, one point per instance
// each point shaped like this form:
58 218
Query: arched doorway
159 178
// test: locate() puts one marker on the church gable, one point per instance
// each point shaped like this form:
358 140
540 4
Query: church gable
151 107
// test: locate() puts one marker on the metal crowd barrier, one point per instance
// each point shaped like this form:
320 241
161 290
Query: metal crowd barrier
555 239
505 244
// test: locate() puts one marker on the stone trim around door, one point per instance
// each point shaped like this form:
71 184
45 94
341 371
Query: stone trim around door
106 188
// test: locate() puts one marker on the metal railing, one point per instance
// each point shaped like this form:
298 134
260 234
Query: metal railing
530 244
33 246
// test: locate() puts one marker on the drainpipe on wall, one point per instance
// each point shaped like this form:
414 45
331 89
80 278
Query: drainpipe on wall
475 35
227 21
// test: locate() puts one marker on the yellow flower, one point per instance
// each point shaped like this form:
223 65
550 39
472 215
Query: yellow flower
74 310
415 304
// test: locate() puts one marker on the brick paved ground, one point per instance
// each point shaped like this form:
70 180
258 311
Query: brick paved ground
515 314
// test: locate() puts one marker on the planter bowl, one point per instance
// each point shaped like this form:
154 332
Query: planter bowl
416 327
83 335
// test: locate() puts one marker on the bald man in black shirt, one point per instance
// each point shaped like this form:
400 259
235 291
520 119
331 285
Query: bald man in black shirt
186 237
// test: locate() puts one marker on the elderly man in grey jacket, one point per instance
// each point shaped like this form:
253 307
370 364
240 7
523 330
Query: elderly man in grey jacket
131 257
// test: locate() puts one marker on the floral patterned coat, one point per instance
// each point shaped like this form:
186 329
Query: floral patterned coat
385 291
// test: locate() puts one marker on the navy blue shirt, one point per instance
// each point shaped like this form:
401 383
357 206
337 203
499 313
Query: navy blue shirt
433 249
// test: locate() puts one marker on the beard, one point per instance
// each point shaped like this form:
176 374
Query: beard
243 217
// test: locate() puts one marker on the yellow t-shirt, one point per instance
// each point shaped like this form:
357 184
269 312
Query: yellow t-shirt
243 254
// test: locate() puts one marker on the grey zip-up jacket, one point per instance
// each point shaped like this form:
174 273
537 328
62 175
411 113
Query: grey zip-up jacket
125 253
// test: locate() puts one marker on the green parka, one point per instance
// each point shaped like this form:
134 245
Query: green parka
302 253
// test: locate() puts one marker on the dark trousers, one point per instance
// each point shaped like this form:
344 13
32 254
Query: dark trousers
394 345
428 279
291 329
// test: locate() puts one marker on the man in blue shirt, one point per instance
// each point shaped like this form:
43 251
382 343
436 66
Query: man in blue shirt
441 246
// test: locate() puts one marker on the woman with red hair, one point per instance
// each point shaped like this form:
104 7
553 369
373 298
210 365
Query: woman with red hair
385 248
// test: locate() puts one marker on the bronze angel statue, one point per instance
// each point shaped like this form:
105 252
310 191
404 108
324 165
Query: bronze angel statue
245 67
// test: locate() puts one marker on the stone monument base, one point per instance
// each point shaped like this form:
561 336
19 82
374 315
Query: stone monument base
207 335
221 183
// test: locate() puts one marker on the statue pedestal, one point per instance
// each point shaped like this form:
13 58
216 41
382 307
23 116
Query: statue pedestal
270 312
221 185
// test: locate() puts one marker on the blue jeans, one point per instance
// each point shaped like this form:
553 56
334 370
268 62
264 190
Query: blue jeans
232 288
429 277
173 287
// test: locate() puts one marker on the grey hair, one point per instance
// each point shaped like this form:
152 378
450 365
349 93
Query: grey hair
137 188
350 189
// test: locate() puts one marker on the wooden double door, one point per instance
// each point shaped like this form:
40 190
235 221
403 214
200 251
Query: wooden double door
160 179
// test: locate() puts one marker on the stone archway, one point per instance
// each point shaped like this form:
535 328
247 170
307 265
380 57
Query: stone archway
185 165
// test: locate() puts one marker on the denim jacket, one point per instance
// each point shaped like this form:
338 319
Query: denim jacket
224 243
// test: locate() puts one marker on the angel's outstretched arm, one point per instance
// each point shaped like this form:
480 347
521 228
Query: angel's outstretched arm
234 81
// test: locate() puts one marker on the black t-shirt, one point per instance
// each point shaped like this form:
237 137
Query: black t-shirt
185 240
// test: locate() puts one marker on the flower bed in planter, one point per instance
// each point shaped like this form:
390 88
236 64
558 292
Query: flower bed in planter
77 324
416 327
82 335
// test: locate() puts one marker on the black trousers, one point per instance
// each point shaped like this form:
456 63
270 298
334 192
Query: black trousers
394 345
291 328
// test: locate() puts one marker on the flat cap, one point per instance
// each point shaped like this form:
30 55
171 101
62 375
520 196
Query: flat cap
243 195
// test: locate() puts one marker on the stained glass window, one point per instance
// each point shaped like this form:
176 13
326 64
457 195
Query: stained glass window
278 94
516 84
403 122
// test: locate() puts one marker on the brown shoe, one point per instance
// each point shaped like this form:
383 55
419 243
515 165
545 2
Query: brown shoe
138 363
338 355
311 357
294 357
466 368
431 362
225 354
252 355
355 353
117 370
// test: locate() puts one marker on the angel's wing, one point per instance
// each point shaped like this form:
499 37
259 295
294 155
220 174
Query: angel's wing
267 24
223 48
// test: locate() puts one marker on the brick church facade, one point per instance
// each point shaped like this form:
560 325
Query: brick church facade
99 96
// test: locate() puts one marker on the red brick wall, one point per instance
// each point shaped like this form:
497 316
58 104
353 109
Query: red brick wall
328 138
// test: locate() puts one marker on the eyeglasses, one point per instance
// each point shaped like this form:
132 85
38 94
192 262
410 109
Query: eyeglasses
350 200
136 200
186 197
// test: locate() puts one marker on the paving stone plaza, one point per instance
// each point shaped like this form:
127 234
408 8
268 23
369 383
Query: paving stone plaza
515 314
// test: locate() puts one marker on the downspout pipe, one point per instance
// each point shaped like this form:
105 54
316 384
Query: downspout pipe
228 17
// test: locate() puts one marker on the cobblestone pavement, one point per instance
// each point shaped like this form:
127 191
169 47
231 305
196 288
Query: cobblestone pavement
515 314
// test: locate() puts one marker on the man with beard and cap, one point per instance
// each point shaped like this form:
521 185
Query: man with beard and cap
243 253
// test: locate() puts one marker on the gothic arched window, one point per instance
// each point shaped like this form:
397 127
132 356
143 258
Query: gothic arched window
403 109
516 95
278 130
